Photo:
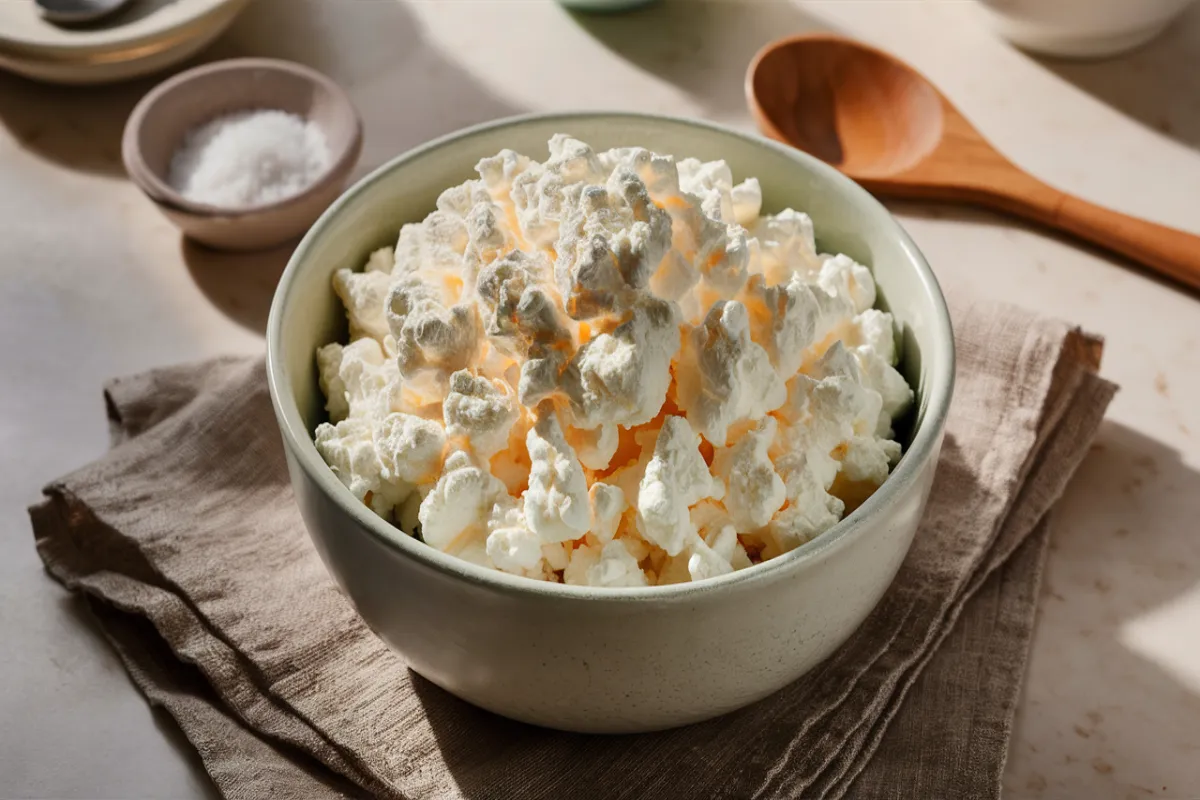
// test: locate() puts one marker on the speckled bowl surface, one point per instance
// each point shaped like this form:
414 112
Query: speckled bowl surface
162 119
591 659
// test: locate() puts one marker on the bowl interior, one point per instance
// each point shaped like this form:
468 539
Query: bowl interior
198 96
306 313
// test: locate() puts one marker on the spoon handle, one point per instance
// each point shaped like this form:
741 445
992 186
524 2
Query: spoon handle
1168 251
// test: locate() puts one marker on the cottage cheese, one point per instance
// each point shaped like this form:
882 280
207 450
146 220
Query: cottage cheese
610 369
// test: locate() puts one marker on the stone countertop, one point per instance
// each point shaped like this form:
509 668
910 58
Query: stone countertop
96 284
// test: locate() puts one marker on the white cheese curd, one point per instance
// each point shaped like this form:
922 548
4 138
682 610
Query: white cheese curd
556 502
676 479
610 369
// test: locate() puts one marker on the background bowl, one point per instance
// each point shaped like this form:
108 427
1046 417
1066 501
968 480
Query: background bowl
1082 28
162 119
149 36
580 658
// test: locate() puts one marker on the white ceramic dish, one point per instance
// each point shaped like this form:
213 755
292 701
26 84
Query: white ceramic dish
607 660
150 36
1082 28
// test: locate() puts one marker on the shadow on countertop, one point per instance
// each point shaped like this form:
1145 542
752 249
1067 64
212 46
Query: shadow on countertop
239 285
77 127
1123 539
703 48
1157 84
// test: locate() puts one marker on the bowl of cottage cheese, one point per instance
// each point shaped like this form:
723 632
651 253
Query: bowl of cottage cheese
610 422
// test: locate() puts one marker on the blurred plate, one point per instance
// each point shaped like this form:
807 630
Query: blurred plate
148 36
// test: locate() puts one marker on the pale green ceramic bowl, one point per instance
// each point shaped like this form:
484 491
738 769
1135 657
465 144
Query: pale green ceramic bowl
607 660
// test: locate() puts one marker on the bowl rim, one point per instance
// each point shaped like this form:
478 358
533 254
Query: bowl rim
158 190
299 442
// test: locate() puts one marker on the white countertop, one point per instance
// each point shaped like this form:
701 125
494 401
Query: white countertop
95 284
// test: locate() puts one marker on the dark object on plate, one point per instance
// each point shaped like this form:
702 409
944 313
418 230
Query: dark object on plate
76 12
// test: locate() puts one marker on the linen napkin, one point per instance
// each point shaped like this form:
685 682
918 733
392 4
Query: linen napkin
185 542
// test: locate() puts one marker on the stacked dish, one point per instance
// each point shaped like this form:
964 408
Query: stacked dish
146 37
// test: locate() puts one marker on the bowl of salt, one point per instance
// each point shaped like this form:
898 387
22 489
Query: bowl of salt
243 154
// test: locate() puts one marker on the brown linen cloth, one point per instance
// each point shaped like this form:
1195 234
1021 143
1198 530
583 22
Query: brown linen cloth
185 541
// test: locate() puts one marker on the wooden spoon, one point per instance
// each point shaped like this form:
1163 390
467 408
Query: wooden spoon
883 124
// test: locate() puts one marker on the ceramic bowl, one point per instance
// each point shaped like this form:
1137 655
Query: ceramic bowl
592 659
161 120
1082 28
149 36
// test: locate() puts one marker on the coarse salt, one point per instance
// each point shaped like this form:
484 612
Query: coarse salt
249 158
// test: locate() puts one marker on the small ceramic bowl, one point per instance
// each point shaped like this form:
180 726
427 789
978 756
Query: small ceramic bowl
594 659
160 122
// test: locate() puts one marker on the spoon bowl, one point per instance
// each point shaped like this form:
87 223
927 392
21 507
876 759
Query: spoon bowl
886 126
825 98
